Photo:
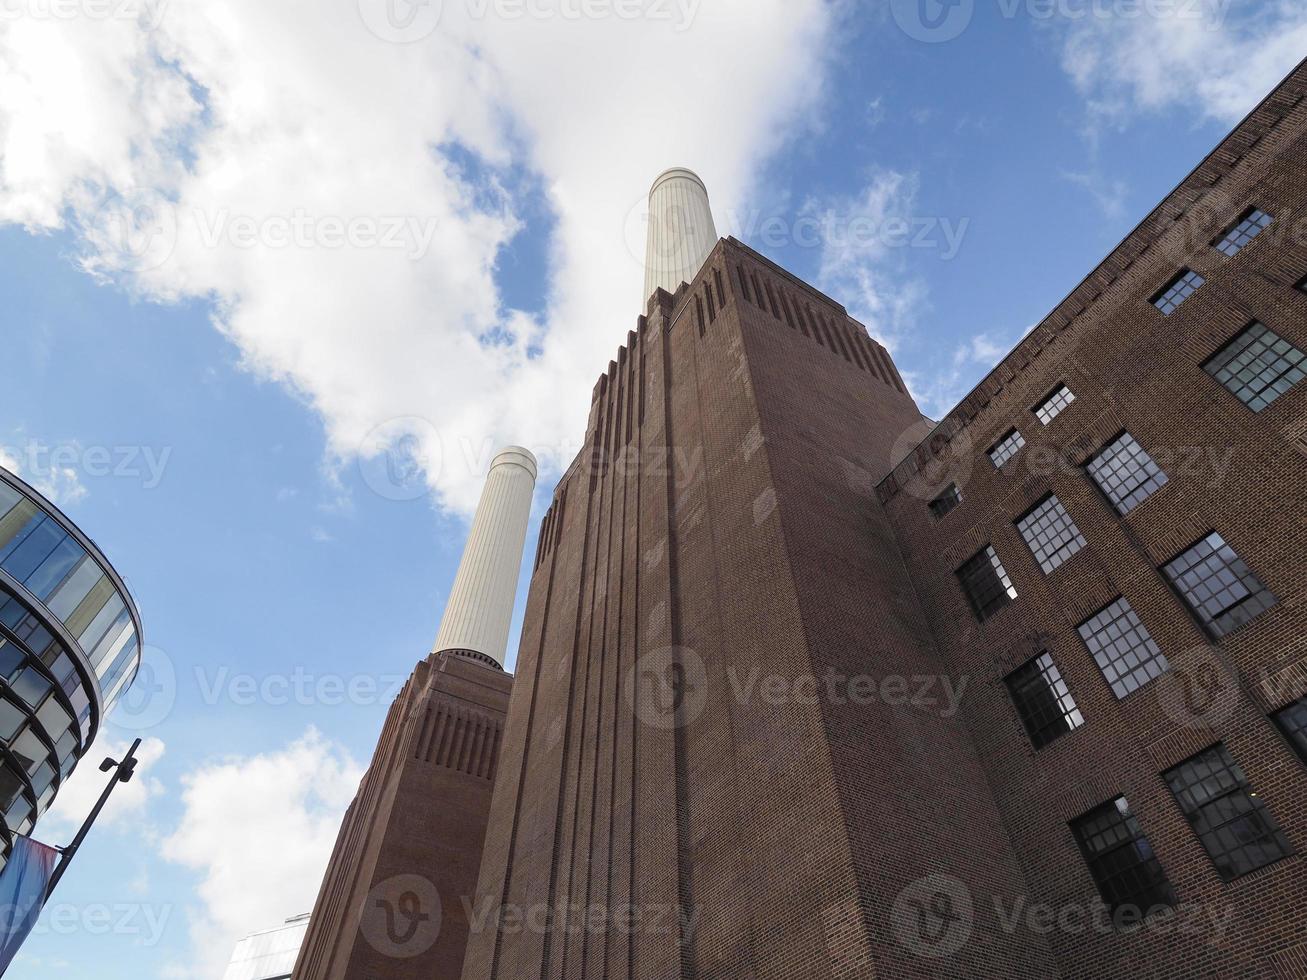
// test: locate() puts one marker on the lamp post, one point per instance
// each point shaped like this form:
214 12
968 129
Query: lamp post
123 772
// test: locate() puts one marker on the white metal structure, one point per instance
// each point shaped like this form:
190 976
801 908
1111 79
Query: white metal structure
681 231
480 609
268 955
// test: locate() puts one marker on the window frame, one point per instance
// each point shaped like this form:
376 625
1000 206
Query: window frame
1072 717
1131 822
1214 374
1008 590
1049 398
1129 674
1210 625
1230 765
1078 542
1171 283
1297 737
953 500
1103 491
1235 225
1012 434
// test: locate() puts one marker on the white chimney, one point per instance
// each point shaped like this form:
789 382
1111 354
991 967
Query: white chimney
681 231
480 609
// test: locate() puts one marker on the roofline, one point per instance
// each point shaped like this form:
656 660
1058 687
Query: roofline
1299 68
92 549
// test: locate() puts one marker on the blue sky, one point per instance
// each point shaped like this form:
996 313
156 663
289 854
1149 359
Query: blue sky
211 394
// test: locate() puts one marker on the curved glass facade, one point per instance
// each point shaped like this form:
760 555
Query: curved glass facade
69 646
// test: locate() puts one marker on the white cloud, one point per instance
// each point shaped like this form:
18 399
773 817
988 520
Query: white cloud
259 831
1217 58
862 260
193 159
47 469
941 391
127 808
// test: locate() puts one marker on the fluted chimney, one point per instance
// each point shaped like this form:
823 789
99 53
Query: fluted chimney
480 608
681 230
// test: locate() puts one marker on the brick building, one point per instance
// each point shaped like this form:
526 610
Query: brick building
799 697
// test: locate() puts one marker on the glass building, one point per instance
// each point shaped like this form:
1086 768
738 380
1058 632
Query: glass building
70 644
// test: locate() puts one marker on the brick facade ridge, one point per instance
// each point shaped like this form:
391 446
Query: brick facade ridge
1227 154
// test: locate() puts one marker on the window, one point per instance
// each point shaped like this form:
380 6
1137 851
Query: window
1258 366
1051 534
1126 474
1006 448
1123 648
1221 590
986 583
946 501
1127 872
1233 824
1302 284
1177 291
1244 231
1293 722
1053 405
1043 700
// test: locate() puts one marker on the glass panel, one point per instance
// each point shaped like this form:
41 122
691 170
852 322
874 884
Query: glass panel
42 778
27 557
29 750
8 498
32 686
66 745
53 718
102 622
75 588
12 659
17 814
11 718
90 607
114 639
67 553
16 525
10 786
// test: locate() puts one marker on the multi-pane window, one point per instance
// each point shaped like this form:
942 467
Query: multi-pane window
1007 447
1051 534
946 501
1123 648
986 583
1231 821
1220 588
1121 859
1126 473
1258 366
1244 231
1052 406
1043 700
1293 722
1177 291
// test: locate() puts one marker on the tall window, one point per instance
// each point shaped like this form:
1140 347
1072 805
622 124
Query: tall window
1006 448
1043 700
1220 588
1179 289
1126 474
1051 534
1233 824
1293 722
1052 406
1123 648
1121 859
1258 366
946 501
986 583
1243 231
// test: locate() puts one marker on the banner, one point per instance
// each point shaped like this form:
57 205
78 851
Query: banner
23 884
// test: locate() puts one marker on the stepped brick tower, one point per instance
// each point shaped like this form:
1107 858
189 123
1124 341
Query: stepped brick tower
797 697
390 906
